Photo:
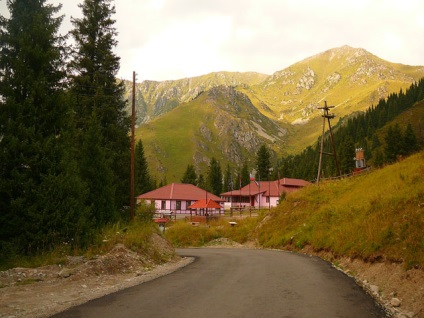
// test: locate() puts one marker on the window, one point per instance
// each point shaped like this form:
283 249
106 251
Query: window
163 205
188 203
178 206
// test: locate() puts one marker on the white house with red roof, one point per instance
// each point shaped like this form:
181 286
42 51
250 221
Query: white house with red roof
262 194
177 197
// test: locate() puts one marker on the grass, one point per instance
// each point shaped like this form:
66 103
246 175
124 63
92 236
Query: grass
377 216
183 234
135 236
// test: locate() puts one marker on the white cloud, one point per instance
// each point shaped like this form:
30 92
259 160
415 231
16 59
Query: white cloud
184 49
168 39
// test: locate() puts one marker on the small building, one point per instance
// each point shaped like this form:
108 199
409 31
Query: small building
176 198
261 194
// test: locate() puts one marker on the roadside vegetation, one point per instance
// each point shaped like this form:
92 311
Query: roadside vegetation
136 236
377 216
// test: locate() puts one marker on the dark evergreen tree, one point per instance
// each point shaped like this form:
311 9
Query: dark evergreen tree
228 179
378 158
214 177
263 163
244 174
142 180
410 143
94 88
394 144
99 176
201 182
346 155
375 142
163 182
41 197
190 175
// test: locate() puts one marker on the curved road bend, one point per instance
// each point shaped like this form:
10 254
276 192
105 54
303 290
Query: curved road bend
239 283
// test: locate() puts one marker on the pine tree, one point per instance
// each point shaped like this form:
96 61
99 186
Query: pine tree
263 163
190 176
41 197
346 155
94 88
410 142
228 179
244 174
378 158
394 144
375 142
143 181
99 176
214 178
201 183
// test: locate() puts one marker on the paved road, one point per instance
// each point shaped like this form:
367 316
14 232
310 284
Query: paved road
239 283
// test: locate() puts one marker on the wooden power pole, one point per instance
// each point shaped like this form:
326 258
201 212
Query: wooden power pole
132 195
327 116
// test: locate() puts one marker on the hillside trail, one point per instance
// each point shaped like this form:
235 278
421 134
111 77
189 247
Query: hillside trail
44 291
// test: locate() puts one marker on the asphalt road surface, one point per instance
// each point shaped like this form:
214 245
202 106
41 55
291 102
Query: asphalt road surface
239 283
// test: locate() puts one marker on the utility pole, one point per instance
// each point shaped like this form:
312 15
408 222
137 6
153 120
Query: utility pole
327 116
132 195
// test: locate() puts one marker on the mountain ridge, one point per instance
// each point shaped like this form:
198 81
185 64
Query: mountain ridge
350 79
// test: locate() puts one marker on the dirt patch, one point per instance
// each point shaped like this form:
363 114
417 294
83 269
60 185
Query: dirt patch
398 290
44 291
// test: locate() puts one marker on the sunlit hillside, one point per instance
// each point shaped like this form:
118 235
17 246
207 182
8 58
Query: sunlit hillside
181 120
348 78
379 215
220 123
374 216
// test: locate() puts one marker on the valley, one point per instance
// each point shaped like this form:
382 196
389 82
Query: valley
229 115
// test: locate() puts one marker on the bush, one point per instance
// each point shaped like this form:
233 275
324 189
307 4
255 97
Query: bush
145 212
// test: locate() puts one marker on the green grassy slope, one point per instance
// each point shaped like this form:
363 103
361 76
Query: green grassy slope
375 216
220 123
378 216
413 116
169 141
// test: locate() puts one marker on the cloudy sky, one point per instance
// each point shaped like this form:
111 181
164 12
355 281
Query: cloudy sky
172 39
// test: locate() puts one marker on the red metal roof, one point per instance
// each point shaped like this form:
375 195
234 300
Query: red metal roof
294 182
179 191
203 203
268 188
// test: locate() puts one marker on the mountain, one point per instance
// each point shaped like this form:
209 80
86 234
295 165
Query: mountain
221 123
157 98
348 78
229 115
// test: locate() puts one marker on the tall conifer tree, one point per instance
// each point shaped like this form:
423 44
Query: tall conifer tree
410 140
394 144
346 155
40 194
263 163
228 179
143 182
190 175
244 175
96 89
214 178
